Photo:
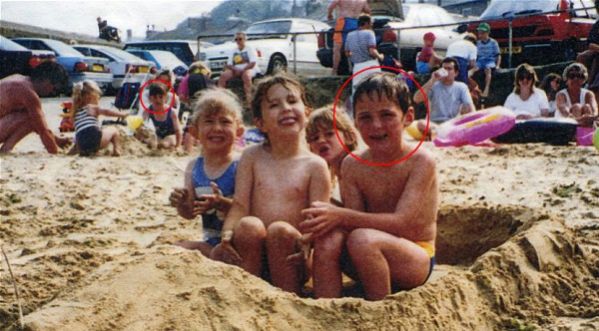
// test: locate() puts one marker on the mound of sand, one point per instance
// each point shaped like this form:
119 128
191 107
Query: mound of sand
518 240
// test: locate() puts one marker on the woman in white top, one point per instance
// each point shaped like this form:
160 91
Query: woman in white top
575 101
527 101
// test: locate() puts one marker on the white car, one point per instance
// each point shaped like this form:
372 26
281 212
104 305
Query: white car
123 65
274 42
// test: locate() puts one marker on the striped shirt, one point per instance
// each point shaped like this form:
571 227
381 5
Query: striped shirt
83 120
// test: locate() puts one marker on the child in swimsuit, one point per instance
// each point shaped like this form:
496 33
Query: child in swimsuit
389 223
323 141
89 135
275 181
164 118
210 179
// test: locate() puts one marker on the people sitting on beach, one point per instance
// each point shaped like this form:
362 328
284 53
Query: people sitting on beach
427 58
575 101
347 21
164 118
210 178
21 108
527 101
551 84
241 63
465 52
388 226
275 181
488 55
447 98
90 137
196 80
323 141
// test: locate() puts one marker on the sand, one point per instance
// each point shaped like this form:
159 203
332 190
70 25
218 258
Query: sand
89 241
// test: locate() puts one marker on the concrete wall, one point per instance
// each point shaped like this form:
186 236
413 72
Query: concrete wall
14 30
321 91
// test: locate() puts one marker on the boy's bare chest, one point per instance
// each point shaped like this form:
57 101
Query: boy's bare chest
286 180
381 191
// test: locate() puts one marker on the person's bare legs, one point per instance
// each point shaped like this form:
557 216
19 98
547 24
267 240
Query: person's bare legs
382 259
336 57
246 77
13 128
224 78
488 74
169 142
111 135
248 239
189 142
281 241
327 265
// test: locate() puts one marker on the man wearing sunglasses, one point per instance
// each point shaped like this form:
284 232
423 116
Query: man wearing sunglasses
241 63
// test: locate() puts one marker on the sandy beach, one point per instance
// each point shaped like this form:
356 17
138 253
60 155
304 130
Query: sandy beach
89 241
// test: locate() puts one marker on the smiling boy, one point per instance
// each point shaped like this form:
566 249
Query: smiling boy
389 223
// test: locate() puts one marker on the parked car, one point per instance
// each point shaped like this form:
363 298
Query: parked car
162 60
390 15
122 64
16 59
78 66
537 36
185 50
273 40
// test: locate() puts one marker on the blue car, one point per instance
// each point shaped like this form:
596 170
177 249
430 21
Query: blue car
78 66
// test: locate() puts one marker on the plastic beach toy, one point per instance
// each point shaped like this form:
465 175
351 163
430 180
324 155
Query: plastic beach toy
475 127
596 139
413 131
584 136
134 122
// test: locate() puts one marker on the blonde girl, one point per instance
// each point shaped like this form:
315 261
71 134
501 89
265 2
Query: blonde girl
89 135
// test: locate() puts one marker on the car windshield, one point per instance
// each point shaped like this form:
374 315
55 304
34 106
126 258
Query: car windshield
503 8
119 54
9 45
63 49
278 29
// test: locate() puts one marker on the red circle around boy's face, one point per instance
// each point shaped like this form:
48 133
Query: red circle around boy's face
170 90
339 135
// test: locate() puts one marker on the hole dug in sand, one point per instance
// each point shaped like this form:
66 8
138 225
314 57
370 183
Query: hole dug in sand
465 233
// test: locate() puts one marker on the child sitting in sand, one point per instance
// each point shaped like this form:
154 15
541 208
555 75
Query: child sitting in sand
210 179
275 181
389 224
89 135
164 118
323 141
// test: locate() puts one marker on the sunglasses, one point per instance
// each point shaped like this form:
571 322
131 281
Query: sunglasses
238 39
525 78
575 76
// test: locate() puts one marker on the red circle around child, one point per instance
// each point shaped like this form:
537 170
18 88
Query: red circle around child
141 100
368 162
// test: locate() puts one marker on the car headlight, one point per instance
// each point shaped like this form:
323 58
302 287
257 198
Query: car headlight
202 56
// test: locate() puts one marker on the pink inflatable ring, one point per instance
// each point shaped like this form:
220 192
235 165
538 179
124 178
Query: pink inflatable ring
475 127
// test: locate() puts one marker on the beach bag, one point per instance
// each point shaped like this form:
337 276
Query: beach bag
126 95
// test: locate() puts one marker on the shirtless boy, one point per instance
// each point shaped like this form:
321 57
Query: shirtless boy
389 223
21 108
274 182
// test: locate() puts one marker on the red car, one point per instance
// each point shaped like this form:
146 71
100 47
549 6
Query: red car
16 59
538 35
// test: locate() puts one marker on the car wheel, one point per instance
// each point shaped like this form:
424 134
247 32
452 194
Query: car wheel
277 63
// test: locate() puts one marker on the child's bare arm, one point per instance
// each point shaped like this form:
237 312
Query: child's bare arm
110 112
185 205
177 127
244 180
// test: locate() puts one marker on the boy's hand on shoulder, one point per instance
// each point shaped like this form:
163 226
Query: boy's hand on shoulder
321 218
